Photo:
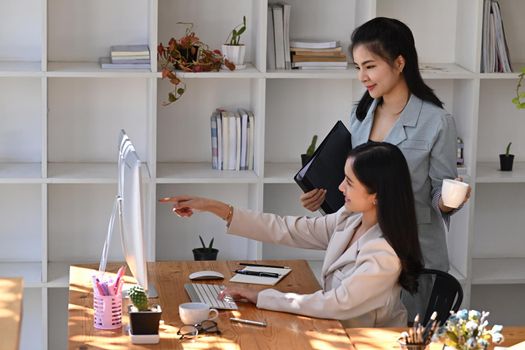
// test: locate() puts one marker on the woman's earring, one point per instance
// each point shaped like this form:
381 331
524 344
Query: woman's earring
375 202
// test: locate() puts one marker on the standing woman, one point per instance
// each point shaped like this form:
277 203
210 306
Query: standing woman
399 108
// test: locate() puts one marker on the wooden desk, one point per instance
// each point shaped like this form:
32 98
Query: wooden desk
386 338
284 331
11 292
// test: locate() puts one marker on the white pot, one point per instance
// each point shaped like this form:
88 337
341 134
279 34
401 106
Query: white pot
235 54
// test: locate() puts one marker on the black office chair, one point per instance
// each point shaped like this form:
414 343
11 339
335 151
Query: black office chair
446 295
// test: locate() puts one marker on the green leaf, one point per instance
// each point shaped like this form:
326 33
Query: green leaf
211 243
171 97
522 105
202 242
515 100
180 91
522 70
242 30
522 94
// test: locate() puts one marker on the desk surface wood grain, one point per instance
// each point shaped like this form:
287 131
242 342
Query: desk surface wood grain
284 331
11 292
386 338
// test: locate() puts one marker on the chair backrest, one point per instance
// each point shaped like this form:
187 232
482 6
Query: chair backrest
446 295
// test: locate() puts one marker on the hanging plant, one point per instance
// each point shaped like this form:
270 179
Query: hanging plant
187 54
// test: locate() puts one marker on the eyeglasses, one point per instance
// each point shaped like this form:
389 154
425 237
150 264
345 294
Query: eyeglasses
206 327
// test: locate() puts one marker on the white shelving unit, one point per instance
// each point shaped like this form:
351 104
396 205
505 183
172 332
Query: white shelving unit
60 115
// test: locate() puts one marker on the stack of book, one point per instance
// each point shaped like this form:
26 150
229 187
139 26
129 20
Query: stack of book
232 139
308 54
495 53
127 57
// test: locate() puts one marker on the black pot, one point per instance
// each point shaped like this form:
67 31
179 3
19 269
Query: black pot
189 54
305 158
506 162
205 253
144 322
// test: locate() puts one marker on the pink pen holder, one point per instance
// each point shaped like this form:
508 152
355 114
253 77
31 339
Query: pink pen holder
108 311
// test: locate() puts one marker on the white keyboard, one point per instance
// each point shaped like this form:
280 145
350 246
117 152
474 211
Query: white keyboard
208 294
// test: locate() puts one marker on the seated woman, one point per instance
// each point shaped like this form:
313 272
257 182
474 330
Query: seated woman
372 247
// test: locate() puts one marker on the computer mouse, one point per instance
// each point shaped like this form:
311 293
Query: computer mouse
206 275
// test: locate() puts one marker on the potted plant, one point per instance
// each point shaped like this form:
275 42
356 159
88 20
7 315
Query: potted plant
205 253
519 95
143 320
305 157
232 49
187 54
506 160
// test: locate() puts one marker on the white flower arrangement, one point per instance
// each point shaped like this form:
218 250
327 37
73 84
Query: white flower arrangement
467 330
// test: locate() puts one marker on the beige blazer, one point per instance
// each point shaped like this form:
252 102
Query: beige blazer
360 282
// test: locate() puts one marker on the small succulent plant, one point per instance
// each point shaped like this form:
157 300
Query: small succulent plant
138 297
507 150
311 149
234 37
209 247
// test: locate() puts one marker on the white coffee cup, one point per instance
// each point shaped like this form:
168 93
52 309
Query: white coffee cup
195 313
453 192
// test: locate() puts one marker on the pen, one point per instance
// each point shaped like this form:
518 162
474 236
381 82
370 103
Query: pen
258 273
254 323
262 265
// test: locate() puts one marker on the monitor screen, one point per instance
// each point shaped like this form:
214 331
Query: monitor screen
131 209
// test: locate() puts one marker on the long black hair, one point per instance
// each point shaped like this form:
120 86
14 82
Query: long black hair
383 170
388 38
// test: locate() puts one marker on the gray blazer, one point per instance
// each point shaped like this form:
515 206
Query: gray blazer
426 134
360 282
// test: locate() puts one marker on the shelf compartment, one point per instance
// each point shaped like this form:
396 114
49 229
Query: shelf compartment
84 31
31 333
84 173
21 173
86 115
81 237
176 236
93 70
21 208
498 271
21 31
21 120
31 272
488 172
201 173
516 68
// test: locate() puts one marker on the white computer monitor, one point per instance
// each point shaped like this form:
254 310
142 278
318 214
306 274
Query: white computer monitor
128 211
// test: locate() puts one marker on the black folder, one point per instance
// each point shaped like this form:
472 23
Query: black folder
326 167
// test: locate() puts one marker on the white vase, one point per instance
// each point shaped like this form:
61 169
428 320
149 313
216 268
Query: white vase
235 54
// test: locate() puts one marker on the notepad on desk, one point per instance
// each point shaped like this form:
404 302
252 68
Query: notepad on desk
258 279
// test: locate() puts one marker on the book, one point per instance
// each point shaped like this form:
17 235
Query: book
237 141
312 53
305 51
320 64
130 60
225 140
232 140
105 63
270 53
251 140
270 281
278 31
244 139
314 44
219 141
214 150
301 58
326 167
286 33
129 50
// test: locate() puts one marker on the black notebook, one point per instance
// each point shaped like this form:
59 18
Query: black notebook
326 167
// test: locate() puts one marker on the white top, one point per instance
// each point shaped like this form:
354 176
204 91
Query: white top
360 282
